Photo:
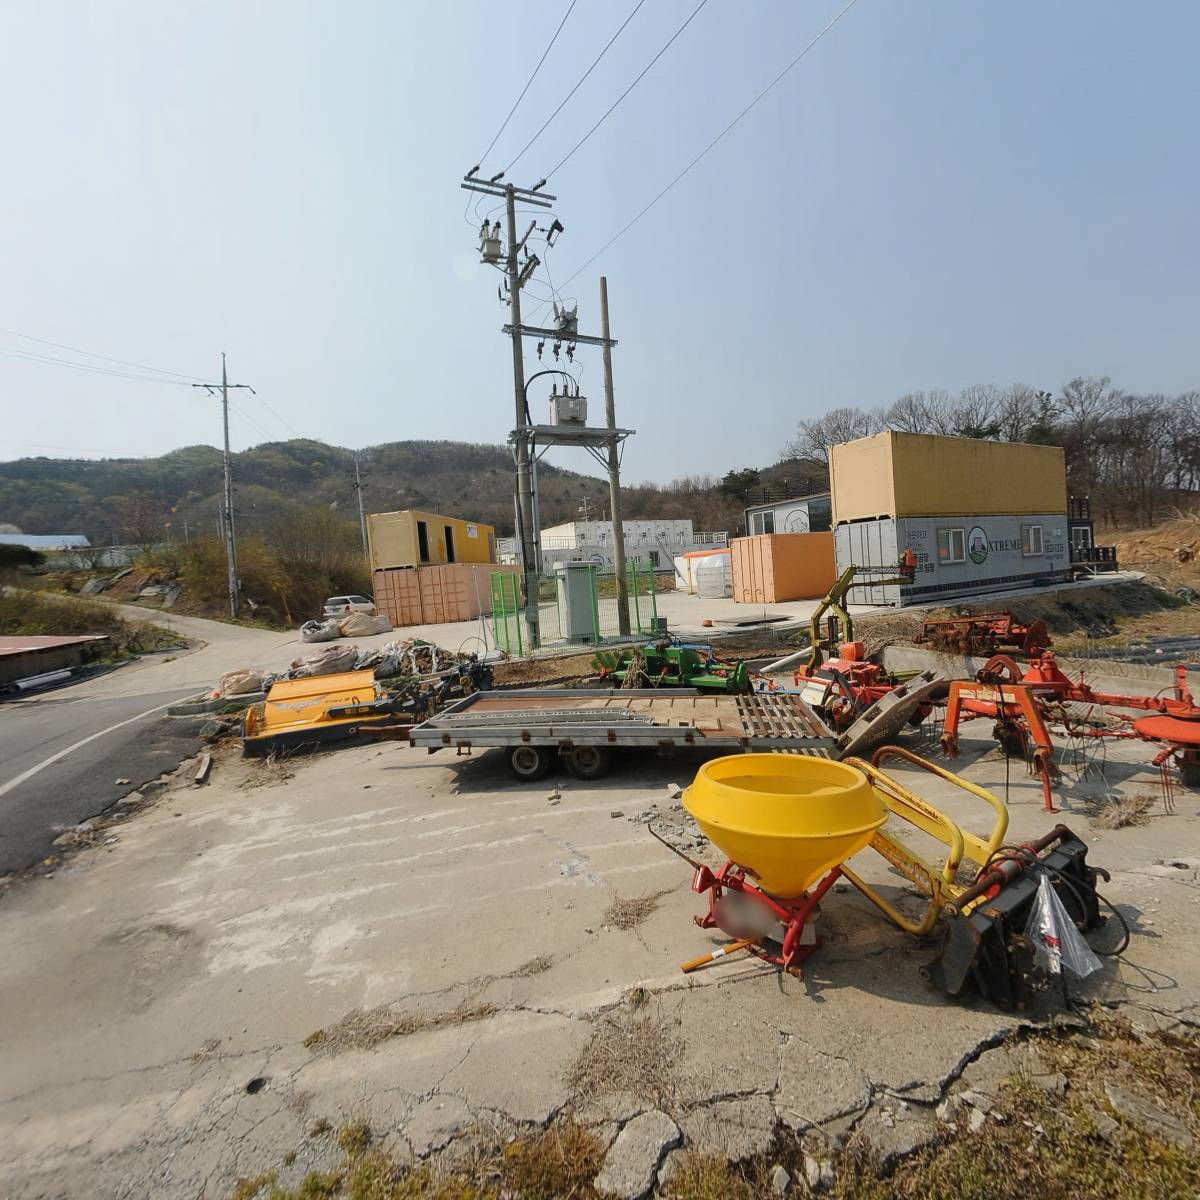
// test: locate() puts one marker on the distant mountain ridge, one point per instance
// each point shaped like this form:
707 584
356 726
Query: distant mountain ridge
461 479
456 478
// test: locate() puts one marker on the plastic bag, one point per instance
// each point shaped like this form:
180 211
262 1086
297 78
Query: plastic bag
318 631
1057 943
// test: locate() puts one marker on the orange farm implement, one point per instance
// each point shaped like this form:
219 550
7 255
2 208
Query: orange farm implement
1023 703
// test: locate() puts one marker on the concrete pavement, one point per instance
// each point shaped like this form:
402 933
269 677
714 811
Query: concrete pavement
424 944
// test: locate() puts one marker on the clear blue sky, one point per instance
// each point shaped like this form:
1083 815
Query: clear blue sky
942 193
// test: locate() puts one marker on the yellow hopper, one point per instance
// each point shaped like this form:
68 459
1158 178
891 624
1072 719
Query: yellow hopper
785 818
318 708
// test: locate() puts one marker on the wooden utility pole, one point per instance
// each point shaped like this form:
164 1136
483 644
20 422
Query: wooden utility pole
614 469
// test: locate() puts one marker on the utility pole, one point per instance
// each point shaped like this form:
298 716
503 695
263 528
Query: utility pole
362 520
614 470
528 531
235 603
527 526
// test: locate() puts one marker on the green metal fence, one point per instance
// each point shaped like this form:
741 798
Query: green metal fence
507 595
643 599
508 599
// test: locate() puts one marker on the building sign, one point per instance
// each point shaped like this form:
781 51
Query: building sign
473 531
977 545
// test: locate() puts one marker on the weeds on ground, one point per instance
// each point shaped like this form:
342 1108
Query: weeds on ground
629 914
364 1028
247 1189
638 1054
28 613
551 1164
1120 811
1054 1147
705 1177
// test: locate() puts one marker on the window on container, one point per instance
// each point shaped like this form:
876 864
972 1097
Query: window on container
951 546
423 541
762 522
1031 541
449 543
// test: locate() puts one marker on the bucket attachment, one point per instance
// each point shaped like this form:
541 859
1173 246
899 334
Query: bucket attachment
306 712
788 824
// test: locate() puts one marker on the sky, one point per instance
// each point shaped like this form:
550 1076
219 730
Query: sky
941 193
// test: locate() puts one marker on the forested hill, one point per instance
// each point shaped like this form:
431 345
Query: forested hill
96 497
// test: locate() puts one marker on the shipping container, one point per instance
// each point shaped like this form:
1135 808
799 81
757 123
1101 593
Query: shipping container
919 475
772 567
412 538
956 555
436 595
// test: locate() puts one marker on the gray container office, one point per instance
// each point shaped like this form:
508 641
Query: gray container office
956 555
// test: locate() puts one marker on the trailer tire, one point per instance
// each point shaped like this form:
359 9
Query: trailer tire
588 762
530 763
1189 775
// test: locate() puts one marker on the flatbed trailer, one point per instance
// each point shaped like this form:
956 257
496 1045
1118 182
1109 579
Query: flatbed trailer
585 725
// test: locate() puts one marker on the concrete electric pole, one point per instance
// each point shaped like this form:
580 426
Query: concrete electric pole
614 470
362 520
227 531
516 278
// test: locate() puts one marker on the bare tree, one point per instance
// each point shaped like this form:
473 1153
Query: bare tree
140 519
814 436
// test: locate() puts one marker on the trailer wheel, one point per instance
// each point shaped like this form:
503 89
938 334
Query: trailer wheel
530 762
1189 774
588 762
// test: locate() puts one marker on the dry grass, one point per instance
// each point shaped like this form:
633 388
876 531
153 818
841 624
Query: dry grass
702 1176
354 1138
1051 1147
638 1054
364 1028
267 772
247 1189
1120 811
535 966
550 1164
629 914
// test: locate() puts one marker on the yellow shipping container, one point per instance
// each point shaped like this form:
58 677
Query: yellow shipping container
921 475
412 538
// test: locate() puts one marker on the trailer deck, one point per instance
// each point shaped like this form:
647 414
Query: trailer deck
581 723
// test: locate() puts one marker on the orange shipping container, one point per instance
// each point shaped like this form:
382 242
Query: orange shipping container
769 568
436 595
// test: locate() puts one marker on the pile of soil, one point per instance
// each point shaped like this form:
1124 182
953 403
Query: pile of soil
1175 541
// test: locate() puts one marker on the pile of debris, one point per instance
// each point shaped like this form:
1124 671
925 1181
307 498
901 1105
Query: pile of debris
407 659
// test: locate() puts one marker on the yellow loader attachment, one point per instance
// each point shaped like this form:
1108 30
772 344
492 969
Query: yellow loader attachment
320 708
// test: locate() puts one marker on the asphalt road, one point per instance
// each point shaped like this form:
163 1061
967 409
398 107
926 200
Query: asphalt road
39 799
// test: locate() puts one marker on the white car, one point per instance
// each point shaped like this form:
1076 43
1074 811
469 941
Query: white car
339 606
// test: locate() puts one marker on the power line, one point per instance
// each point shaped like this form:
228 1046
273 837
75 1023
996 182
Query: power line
91 354
575 88
94 370
645 69
745 111
527 83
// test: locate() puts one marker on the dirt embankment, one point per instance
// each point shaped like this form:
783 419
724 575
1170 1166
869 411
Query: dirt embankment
1109 614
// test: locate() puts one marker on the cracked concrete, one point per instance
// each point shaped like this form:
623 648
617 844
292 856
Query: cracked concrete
145 988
